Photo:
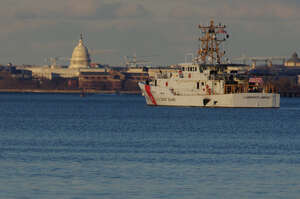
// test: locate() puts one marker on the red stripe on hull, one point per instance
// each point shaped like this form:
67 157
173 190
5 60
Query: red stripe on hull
148 90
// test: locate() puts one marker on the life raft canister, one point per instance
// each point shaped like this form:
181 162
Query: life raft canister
208 89
180 74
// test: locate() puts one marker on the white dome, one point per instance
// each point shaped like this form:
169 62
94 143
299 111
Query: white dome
80 56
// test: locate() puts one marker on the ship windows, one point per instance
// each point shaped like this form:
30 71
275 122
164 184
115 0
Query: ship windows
198 85
202 83
192 69
189 69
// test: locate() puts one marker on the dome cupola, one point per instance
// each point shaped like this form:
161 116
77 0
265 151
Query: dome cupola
80 56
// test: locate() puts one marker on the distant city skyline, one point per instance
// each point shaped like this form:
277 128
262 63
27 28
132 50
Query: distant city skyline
33 30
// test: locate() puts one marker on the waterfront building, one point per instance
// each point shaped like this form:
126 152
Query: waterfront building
106 80
111 80
46 72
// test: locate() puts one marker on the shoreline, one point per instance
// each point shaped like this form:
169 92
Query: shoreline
54 91
94 91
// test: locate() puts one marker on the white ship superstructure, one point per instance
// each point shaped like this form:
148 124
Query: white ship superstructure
208 85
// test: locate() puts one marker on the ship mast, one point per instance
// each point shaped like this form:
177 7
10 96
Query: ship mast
212 36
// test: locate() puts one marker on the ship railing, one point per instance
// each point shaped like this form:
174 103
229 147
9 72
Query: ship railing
248 88
187 92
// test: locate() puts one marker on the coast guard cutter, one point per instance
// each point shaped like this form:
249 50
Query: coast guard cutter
205 82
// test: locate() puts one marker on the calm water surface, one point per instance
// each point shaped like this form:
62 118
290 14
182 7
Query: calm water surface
110 146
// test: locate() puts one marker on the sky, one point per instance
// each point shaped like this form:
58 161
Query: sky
165 30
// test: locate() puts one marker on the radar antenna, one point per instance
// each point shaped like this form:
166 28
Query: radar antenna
212 36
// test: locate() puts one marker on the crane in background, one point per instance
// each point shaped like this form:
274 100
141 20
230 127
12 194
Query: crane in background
52 61
133 61
107 52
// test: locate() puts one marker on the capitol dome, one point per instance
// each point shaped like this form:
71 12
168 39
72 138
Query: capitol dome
293 61
80 56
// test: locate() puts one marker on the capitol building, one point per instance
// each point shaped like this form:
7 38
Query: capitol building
80 56
294 61
80 62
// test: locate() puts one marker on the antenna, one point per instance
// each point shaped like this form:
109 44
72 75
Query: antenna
212 36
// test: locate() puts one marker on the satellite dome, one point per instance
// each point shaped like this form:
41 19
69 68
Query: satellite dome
80 56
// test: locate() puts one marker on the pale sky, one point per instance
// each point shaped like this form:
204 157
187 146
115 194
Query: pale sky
32 30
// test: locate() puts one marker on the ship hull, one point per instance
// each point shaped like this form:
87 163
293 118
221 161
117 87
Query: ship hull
158 96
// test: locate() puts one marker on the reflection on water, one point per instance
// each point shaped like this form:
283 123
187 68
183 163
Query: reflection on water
110 146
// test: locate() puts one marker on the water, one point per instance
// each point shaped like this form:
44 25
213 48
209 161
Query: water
110 146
